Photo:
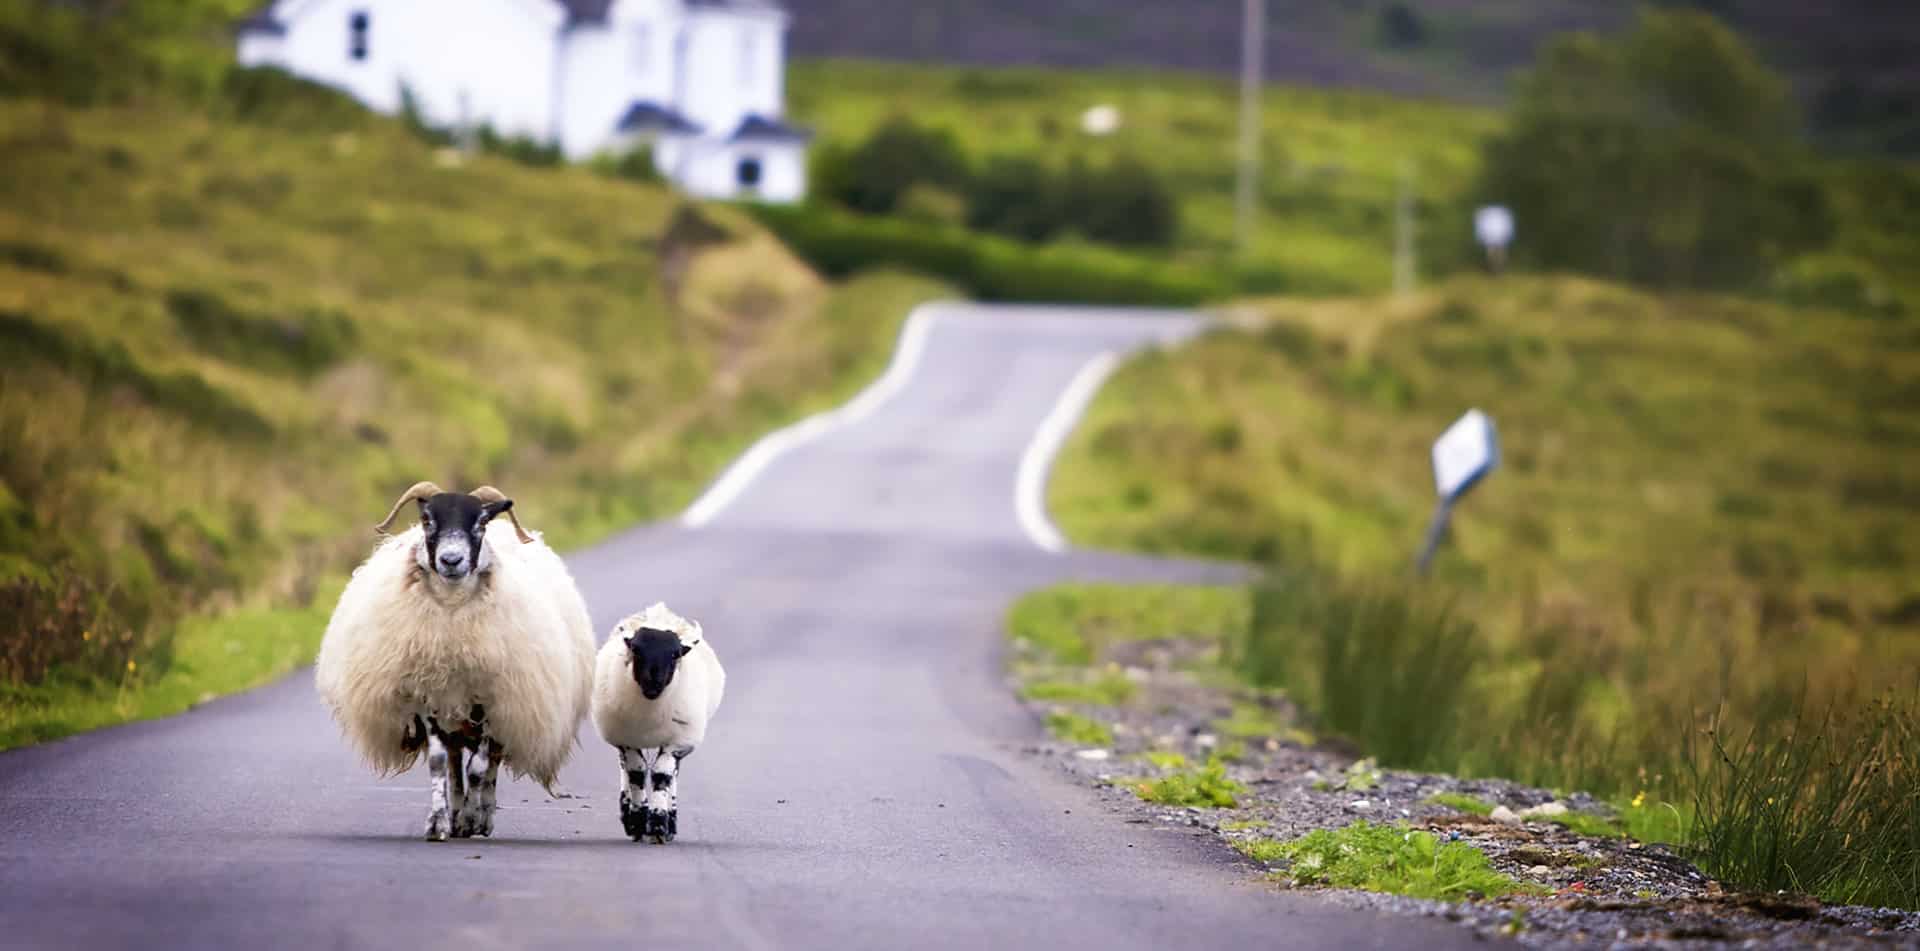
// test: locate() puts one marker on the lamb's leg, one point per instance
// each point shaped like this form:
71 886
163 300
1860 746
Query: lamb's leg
475 816
635 773
439 820
663 796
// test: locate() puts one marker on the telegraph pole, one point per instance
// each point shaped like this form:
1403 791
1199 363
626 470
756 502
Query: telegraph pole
1253 46
1405 268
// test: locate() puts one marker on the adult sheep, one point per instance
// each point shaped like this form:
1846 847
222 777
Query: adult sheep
467 639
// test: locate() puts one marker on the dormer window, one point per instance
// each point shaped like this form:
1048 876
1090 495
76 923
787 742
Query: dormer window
357 36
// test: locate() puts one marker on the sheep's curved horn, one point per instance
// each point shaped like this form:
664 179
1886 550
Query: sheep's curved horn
487 493
420 490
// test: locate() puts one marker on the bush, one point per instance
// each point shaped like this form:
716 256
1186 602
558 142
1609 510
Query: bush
1018 197
268 95
1123 203
874 176
1666 157
992 268
1401 28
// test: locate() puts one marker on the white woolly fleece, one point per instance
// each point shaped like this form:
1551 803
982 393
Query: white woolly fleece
522 646
626 718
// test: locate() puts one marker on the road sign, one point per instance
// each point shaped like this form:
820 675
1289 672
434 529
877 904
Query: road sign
1493 226
1468 450
1462 456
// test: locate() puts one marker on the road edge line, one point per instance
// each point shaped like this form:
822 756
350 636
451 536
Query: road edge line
738 476
1030 484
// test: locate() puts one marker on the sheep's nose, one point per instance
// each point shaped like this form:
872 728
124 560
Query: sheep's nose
451 559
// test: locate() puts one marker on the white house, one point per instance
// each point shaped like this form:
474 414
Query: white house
701 82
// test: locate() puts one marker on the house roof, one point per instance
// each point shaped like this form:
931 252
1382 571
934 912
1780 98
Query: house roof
262 21
762 129
645 116
586 11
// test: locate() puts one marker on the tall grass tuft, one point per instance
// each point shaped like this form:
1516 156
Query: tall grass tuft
1825 804
1387 669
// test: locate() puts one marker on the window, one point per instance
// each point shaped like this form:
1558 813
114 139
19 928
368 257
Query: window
642 48
357 36
747 173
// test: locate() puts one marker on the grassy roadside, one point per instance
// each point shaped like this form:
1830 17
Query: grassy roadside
1688 582
233 338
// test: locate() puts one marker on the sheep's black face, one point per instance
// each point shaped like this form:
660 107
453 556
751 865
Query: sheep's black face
656 655
455 526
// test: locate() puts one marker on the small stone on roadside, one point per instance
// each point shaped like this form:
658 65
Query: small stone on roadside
1538 870
1544 809
1360 805
1095 755
1504 816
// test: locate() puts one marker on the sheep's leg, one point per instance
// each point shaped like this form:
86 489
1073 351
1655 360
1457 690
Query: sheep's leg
636 772
439 820
475 816
662 802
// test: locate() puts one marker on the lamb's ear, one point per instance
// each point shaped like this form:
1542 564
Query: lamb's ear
628 640
685 649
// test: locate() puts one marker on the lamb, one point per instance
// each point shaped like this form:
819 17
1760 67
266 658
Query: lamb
655 687
460 636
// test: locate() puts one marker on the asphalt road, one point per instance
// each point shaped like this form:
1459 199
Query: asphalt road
862 787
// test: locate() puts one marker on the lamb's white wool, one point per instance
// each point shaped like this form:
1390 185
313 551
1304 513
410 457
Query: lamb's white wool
654 734
679 717
521 644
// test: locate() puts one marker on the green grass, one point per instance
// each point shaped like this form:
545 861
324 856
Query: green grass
1162 759
1079 730
233 340
1072 624
1704 506
1333 157
1207 786
1471 805
1105 688
1385 858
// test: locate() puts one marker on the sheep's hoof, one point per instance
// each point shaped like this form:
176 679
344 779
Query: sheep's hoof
661 826
634 821
437 827
472 822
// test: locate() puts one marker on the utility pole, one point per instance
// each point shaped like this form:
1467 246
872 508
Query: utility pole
1253 46
1405 269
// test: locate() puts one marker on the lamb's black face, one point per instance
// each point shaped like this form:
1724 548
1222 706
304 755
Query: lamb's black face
656 655
455 526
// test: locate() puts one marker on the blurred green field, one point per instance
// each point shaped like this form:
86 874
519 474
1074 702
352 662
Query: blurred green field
1692 576
233 339
1679 466
1333 158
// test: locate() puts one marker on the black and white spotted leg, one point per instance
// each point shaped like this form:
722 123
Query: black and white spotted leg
663 795
440 816
636 770
475 815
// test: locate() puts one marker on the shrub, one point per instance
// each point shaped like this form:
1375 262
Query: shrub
989 267
1015 196
1666 157
874 176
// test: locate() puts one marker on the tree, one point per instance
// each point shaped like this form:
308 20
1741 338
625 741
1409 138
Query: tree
1668 157
1401 28
873 176
1017 197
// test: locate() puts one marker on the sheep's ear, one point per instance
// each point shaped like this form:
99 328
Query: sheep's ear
685 649
627 640
489 510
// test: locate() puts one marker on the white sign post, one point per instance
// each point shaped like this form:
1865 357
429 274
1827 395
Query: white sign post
1462 456
1493 226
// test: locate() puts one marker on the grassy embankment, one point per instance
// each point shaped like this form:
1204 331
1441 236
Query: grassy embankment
1333 158
233 339
1691 578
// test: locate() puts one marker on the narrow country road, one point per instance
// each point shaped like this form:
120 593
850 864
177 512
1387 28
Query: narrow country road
861 788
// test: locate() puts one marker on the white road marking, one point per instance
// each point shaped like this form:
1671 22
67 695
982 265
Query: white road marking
906 358
1030 486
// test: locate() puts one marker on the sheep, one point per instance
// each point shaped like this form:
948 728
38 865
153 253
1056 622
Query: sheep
656 685
460 636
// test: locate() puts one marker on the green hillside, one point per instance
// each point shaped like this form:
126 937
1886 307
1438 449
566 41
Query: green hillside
233 338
